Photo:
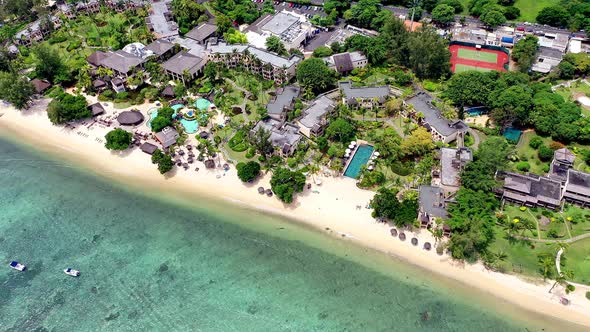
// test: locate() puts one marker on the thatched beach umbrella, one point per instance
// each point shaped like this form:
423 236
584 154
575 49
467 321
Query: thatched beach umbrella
178 162
268 192
427 246
190 160
210 163
402 236
226 167
261 190
414 241
204 134
189 147
185 166
191 155
393 232
181 152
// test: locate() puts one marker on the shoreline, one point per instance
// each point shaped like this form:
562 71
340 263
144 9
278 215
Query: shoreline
333 209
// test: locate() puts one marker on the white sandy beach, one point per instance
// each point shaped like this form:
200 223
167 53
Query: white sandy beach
334 207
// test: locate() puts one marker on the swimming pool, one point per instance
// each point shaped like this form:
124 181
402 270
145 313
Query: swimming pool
190 126
360 158
202 104
512 134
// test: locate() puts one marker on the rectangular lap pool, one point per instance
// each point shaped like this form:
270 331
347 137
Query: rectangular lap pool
360 158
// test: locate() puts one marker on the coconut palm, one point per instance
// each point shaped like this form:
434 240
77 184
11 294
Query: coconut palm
314 169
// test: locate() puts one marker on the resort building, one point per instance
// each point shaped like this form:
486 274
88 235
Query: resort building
123 5
167 137
563 160
161 49
122 63
148 148
282 102
284 136
547 59
452 163
184 67
314 119
345 62
71 10
341 35
37 31
430 117
202 33
160 20
96 109
293 29
431 206
529 190
363 97
269 65
577 188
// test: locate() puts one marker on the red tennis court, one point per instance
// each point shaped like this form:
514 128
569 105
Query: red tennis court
467 57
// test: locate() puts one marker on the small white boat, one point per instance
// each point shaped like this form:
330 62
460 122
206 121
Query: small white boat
17 266
72 272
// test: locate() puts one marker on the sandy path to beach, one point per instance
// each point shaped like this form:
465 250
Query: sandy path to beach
333 208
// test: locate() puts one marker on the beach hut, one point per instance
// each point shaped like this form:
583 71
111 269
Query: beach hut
96 109
393 232
427 246
402 236
268 192
40 85
130 118
414 241
148 148
168 92
261 190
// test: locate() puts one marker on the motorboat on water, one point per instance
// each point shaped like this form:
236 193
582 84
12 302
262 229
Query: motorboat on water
72 272
17 266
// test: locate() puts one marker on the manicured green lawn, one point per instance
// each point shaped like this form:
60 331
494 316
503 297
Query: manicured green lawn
522 255
477 55
528 8
524 151
576 89
578 260
459 68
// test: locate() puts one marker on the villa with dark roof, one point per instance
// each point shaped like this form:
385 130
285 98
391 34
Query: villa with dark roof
282 102
122 64
452 162
577 188
430 117
167 137
529 190
314 120
563 160
161 48
184 66
363 97
202 32
432 206
345 62
284 136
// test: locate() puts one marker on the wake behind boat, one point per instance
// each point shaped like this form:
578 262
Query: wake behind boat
72 272
17 266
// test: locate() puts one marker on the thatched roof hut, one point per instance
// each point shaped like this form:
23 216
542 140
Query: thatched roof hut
402 236
427 246
96 109
168 92
393 232
261 190
148 148
190 160
268 192
130 118
414 241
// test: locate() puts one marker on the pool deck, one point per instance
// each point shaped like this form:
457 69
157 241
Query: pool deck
352 153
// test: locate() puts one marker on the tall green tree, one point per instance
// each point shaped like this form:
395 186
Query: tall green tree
16 90
67 107
429 54
285 184
49 65
118 139
341 130
274 44
524 52
314 74
443 14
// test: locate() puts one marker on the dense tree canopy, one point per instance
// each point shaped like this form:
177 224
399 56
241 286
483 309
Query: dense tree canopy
429 54
491 156
164 161
49 65
248 171
493 18
341 130
285 184
67 107
164 119
386 206
315 75
239 11
524 52
556 16
188 13
443 14
16 90
118 139
418 143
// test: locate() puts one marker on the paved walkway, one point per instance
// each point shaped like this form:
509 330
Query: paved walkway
573 239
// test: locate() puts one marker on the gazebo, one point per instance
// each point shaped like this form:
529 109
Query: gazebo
130 118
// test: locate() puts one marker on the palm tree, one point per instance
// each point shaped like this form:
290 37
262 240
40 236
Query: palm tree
437 232
562 279
314 168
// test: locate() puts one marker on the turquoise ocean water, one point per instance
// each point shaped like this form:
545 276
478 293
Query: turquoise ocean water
157 265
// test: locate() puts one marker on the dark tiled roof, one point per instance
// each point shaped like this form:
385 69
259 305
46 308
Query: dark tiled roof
122 61
351 93
578 182
564 155
202 32
40 85
283 99
184 61
148 148
422 103
98 83
538 188
159 46
96 109
343 62
96 58
432 202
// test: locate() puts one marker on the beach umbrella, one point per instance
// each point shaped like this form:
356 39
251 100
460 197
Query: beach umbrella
351 146
376 153
353 143
414 241
346 155
393 232
226 167
402 236
190 160
268 192
261 190
427 246
347 151
181 152
190 147
185 166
